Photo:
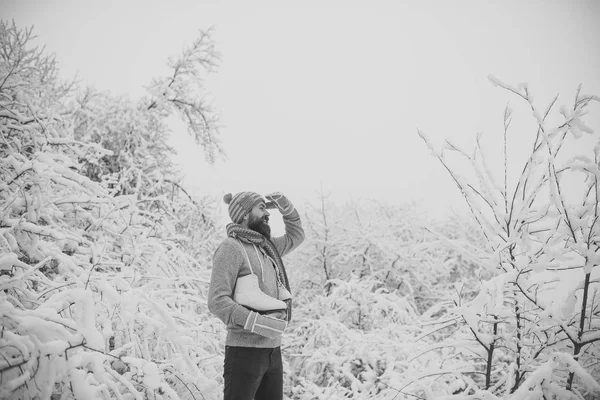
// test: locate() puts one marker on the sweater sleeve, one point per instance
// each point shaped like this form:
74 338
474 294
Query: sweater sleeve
294 234
227 262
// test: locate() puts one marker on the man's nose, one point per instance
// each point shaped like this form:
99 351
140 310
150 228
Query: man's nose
267 212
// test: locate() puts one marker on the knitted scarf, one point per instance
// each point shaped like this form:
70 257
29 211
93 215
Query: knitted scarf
246 235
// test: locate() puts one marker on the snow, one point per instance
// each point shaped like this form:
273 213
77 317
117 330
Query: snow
7 261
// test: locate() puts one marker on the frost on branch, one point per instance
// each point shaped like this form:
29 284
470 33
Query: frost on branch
181 93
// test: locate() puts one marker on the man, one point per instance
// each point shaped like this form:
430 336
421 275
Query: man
253 367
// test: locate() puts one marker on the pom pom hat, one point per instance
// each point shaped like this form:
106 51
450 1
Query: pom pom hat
241 204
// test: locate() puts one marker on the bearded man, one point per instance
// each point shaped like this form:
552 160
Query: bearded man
253 368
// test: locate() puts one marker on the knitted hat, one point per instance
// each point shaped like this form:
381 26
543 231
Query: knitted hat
241 204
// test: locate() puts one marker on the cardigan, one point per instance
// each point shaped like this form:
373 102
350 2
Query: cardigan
230 262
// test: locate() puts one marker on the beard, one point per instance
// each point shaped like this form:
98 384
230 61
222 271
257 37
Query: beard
260 225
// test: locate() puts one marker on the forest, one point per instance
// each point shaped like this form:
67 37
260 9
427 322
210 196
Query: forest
105 258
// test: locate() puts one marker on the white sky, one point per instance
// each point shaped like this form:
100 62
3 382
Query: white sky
333 91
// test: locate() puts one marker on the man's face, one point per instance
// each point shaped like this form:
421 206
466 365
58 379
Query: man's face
258 220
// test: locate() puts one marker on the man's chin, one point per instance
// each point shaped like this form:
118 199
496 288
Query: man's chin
263 228
266 230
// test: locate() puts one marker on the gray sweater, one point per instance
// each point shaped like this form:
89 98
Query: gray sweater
229 262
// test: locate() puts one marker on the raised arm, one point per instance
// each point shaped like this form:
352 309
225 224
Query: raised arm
294 233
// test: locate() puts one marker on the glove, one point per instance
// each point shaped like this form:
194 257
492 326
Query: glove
264 325
283 204
279 314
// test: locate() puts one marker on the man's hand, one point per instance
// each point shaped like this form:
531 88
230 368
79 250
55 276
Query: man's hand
279 314
265 325
282 203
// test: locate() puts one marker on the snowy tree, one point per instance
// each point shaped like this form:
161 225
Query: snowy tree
531 330
136 133
101 294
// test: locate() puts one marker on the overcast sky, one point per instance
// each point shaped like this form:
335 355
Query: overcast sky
332 92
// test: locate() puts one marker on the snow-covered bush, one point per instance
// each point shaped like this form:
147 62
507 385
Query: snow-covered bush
361 280
360 336
102 293
352 343
398 246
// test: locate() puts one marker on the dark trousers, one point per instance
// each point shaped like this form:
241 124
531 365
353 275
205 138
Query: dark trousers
253 374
